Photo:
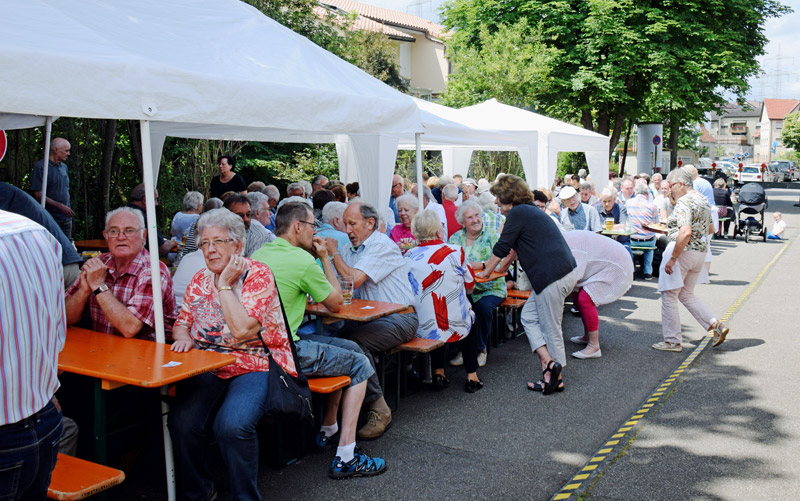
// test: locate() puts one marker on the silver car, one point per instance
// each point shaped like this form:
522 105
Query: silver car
751 173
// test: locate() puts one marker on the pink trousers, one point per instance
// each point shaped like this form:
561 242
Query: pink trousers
690 262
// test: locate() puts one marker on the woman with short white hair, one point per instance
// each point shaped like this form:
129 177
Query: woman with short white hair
441 278
407 206
183 220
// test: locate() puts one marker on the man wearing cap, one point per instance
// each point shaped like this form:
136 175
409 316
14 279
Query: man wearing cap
578 215
468 188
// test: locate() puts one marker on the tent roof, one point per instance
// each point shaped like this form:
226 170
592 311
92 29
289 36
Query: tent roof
218 62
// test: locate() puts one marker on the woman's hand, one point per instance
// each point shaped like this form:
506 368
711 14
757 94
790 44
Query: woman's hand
182 346
232 272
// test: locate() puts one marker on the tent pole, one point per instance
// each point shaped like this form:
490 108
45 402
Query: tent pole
48 129
418 141
155 267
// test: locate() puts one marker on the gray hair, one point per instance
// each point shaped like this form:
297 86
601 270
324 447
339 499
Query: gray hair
692 170
258 201
426 192
272 192
444 181
129 210
332 210
224 219
582 174
608 191
616 183
319 179
409 201
368 211
192 200
681 175
425 225
469 205
641 189
487 201
294 199
212 203
306 187
450 192
586 185
295 186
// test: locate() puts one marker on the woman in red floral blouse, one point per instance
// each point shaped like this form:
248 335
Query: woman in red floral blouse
229 307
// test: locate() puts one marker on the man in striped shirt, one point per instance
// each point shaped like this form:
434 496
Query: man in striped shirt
642 212
32 333
379 274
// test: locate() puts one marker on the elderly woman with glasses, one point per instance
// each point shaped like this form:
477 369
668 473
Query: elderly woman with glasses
477 239
551 269
232 306
683 264
441 278
401 234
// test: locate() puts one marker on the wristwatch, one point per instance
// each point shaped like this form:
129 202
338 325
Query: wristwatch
100 290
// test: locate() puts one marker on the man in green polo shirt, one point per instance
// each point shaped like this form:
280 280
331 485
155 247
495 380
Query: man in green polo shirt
291 257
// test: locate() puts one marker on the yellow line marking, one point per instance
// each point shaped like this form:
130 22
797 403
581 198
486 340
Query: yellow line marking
618 435
628 428
605 451
612 442
565 495
582 476
572 486
597 459
589 467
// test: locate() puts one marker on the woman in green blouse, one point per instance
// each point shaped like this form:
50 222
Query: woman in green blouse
477 240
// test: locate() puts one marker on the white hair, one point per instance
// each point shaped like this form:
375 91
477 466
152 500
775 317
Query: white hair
225 219
466 206
129 210
333 210
450 192
192 200
258 201
487 201
272 192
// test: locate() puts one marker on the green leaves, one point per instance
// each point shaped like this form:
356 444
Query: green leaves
790 136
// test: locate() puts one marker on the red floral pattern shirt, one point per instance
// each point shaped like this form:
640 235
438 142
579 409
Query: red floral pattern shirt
201 313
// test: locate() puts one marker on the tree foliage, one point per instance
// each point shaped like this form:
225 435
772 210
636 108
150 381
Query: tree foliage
611 61
790 135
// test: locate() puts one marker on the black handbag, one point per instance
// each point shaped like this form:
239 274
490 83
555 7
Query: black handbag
288 397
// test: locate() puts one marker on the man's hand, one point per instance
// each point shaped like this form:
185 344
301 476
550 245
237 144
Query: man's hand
332 245
65 210
320 248
94 270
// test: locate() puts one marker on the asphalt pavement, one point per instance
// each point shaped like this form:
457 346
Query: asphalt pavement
708 423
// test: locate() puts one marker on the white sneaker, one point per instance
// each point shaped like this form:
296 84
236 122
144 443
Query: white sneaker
578 340
481 359
458 361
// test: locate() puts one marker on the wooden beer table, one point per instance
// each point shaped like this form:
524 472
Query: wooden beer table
494 276
360 310
90 245
114 361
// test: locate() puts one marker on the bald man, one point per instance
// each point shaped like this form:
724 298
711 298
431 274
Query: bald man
398 190
57 201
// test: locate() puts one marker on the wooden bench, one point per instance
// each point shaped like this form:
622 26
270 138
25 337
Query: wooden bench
518 294
395 357
75 478
324 385
514 305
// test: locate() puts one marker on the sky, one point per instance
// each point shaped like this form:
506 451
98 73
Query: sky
781 62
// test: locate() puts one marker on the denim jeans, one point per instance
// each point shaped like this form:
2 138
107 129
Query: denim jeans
647 255
323 356
484 311
232 408
28 453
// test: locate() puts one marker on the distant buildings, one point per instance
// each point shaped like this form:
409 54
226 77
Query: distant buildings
768 144
419 43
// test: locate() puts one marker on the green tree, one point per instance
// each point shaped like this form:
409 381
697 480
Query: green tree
617 61
791 131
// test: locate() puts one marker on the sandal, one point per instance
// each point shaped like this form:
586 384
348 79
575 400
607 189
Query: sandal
667 346
539 386
440 382
720 332
552 386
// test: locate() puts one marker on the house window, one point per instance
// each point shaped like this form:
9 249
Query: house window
779 125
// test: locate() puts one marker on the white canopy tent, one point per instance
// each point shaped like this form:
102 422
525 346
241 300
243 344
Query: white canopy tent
542 138
192 63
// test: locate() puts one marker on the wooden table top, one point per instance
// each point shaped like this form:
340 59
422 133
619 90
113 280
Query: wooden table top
494 276
89 245
617 233
359 310
118 361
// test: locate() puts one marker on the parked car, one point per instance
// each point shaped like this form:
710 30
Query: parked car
751 173
786 169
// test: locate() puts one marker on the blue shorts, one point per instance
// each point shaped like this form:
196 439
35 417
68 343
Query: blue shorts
322 356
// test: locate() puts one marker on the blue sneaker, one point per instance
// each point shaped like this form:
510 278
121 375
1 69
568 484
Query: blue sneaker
360 466
323 442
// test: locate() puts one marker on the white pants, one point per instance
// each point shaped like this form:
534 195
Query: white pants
542 314
690 264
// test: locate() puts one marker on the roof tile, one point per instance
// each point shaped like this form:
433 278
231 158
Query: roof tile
777 109
391 17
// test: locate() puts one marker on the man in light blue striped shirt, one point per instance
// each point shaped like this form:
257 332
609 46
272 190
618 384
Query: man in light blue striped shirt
379 274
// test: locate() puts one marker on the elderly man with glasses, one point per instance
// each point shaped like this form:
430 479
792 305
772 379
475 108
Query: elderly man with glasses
114 293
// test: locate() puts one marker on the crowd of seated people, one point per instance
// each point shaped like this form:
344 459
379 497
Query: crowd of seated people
248 250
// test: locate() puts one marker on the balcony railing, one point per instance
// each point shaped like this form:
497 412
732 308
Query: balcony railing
732 139
741 129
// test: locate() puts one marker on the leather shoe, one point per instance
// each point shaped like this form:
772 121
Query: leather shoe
472 386
583 356
377 424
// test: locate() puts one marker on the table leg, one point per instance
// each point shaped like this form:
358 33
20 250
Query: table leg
320 329
169 459
99 423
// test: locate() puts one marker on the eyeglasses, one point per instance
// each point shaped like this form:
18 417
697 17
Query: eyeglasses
314 224
206 244
128 232
397 184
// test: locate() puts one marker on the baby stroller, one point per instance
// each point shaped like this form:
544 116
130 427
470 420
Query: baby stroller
750 212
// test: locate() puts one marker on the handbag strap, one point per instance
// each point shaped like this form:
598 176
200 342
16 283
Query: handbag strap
300 375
